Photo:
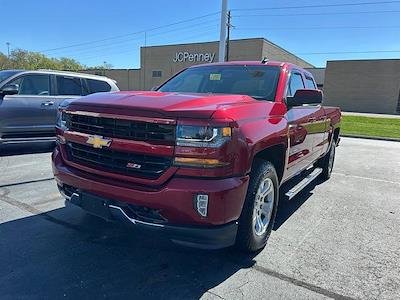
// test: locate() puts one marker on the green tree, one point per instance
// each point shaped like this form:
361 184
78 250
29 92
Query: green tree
29 60
70 64
4 62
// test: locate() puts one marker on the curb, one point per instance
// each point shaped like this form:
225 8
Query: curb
371 115
371 137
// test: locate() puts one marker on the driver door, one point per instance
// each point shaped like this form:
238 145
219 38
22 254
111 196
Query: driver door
30 112
301 133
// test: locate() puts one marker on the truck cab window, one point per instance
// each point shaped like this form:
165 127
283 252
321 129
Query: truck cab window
258 82
310 83
296 83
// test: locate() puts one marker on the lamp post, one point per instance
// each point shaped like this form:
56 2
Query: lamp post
8 49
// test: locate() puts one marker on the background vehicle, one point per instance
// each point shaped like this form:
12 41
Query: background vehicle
29 100
203 158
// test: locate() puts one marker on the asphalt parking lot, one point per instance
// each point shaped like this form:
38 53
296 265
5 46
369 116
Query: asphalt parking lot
339 239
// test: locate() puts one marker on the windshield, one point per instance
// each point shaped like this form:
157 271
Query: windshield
258 82
5 74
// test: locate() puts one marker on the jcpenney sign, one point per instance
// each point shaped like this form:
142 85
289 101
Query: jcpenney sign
193 57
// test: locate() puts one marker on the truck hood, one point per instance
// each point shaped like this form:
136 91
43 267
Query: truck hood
163 103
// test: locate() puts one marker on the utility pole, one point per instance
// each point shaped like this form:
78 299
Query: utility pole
144 61
8 49
228 27
222 36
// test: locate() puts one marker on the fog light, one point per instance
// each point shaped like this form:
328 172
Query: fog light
201 204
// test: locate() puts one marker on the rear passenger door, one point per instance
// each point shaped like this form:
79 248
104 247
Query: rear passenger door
319 123
97 86
69 87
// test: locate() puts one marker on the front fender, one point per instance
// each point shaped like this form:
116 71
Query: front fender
262 134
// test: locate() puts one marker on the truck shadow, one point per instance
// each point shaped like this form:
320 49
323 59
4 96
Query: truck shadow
26 148
286 208
67 254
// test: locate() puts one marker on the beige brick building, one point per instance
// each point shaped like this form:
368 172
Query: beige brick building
158 63
371 86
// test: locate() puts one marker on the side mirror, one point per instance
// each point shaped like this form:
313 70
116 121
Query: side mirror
304 97
10 89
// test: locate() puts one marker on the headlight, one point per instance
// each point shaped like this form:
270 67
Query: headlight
202 136
61 120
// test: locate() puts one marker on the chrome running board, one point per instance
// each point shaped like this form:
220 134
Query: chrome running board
302 184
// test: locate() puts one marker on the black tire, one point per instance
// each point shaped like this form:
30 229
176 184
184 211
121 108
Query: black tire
327 162
247 240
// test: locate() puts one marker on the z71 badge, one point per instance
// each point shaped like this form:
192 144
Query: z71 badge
133 165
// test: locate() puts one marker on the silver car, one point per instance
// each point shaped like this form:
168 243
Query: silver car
29 100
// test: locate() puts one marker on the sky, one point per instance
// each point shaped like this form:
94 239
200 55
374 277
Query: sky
94 32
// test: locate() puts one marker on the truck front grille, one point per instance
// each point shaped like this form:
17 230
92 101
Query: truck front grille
125 163
123 129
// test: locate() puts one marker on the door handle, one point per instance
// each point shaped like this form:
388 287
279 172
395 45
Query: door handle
299 127
48 103
296 127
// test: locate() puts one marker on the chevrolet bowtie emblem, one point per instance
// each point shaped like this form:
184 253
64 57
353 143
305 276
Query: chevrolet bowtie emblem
97 141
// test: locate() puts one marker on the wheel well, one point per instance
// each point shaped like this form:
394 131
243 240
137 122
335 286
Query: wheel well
276 155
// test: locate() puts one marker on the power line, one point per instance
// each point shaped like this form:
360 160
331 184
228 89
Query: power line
213 22
320 14
317 27
124 50
349 52
129 34
109 52
318 6
108 47
205 33
129 40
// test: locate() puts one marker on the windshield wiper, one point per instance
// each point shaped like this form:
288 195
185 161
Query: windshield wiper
259 98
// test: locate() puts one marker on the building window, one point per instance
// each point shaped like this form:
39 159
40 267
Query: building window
157 74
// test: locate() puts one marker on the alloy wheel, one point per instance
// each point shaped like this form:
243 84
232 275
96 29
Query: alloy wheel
263 206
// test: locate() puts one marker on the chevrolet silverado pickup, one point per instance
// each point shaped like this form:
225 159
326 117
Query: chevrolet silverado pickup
204 157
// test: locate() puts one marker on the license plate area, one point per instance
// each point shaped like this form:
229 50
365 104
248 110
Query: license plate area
95 205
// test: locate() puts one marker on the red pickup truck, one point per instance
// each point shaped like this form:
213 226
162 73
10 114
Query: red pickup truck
203 157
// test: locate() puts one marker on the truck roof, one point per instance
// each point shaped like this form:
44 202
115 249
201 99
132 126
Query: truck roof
247 63
255 63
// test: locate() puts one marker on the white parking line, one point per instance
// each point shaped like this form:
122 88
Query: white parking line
367 178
